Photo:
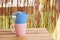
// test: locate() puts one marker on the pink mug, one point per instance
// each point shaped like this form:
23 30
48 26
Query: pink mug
20 29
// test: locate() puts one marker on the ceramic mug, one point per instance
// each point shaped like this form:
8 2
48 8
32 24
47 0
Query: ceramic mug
20 24
20 29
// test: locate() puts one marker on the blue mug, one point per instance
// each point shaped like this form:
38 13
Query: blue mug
21 18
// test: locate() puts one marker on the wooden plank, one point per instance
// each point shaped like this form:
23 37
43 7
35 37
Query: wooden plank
31 34
27 38
13 35
34 36
29 31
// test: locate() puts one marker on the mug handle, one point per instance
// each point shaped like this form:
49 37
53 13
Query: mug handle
13 30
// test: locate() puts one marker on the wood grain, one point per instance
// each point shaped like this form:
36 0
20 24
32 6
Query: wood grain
31 34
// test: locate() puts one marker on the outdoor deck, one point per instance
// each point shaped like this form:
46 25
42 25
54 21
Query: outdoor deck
31 34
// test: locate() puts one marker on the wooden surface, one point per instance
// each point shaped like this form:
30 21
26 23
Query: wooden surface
31 34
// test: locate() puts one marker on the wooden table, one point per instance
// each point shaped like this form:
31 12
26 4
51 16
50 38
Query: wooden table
31 34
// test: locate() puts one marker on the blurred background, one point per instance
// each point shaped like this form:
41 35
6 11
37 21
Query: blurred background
42 13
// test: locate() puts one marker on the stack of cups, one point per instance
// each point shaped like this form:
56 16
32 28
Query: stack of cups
21 23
